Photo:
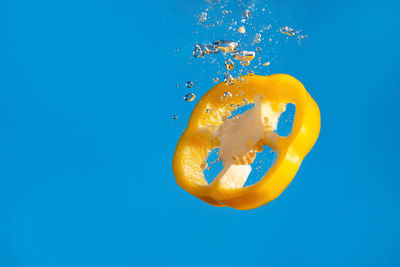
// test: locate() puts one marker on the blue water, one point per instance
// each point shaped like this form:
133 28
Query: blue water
86 98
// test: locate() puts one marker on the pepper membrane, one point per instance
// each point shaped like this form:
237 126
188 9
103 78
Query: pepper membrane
241 137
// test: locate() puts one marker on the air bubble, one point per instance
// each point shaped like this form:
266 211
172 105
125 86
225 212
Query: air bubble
287 30
243 55
189 97
225 45
245 14
229 79
229 64
189 84
197 51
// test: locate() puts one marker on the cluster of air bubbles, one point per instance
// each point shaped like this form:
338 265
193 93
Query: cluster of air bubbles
266 28
291 32
213 2
249 35
229 80
226 46
228 94
203 17
301 37
245 15
201 50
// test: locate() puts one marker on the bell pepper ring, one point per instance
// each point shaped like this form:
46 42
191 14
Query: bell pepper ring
241 137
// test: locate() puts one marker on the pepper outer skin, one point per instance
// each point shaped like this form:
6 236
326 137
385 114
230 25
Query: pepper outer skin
194 145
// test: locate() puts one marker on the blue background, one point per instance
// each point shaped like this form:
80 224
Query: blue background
86 141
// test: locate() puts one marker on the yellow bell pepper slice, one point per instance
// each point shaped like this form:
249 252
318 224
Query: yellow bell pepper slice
240 137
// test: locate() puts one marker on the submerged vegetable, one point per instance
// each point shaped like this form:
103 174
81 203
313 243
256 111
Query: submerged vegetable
241 137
